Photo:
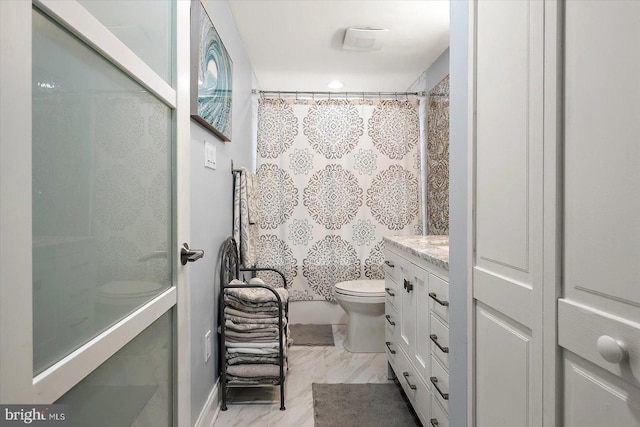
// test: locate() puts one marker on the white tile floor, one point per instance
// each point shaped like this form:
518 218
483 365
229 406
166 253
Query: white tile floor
261 406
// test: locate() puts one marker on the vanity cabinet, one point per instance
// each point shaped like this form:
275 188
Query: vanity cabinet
417 329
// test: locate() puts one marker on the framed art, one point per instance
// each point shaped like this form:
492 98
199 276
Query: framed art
211 75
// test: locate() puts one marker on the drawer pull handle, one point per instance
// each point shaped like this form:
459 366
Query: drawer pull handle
388 343
434 297
391 294
434 422
406 377
434 338
389 264
434 381
611 349
408 285
391 322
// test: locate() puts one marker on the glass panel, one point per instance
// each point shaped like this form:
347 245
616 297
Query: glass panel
144 26
101 193
132 388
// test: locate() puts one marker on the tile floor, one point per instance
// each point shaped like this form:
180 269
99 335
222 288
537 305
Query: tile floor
261 406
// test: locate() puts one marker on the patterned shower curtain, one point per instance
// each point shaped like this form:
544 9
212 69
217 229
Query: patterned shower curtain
334 177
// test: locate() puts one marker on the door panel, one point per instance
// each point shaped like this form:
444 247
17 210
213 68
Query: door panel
602 154
594 398
503 366
601 283
507 278
101 193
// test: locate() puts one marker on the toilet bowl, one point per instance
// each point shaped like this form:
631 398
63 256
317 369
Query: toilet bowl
114 300
363 301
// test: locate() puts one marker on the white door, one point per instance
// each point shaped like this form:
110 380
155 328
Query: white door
93 209
600 308
506 311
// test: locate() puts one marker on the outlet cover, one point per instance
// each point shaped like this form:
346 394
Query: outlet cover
209 155
207 346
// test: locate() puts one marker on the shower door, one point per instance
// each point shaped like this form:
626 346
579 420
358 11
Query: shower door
90 310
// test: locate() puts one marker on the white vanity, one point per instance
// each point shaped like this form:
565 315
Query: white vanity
417 321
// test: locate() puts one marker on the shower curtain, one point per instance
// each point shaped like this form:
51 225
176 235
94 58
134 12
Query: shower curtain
334 177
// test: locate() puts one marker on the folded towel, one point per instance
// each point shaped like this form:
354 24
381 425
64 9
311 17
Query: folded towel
273 320
247 350
257 295
240 358
254 370
252 381
251 327
263 333
240 313
262 307
253 345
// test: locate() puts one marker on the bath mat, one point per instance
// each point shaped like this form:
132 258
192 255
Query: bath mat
321 335
357 405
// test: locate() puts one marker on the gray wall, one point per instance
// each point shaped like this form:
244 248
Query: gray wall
458 212
211 205
428 79
437 71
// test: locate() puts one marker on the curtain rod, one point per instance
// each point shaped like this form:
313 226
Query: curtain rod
327 93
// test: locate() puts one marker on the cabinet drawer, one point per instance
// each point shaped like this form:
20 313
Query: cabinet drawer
439 417
439 333
439 297
390 264
391 347
391 321
391 290
440 381
415 389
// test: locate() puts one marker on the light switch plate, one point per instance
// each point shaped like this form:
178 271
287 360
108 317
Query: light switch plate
209 155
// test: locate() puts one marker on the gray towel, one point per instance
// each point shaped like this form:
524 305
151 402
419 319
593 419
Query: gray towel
254 370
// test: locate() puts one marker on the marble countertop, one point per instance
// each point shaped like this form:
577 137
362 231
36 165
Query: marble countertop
433 249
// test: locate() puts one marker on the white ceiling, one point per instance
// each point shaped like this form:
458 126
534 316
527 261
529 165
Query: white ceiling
296 45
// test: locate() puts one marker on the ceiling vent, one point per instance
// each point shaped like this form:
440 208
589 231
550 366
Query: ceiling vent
364 38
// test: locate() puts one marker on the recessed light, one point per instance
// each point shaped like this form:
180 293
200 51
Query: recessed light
335 84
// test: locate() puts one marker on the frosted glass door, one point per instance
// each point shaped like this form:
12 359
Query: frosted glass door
102 158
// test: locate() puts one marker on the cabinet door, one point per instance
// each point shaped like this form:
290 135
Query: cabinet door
408 309
601 284
508 168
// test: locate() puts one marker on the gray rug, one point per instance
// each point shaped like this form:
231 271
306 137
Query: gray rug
360 405
321 335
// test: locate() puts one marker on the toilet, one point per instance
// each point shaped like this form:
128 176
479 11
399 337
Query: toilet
363 301
114 300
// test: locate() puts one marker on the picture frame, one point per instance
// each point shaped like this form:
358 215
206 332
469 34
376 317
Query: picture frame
211 75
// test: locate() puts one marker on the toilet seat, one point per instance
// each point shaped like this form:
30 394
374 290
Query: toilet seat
361 288
129 290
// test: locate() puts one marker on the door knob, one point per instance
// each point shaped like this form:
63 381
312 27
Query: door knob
611 349
190 255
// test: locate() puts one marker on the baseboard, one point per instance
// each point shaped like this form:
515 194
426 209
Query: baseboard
316 313
211 408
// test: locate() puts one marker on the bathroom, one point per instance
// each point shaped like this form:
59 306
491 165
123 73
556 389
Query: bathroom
116 206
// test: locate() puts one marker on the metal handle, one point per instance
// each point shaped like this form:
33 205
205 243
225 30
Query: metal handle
389 263
434 381
434 422
190 255
406 377
408 285
391 294
388 343
392 323
434 338
434 297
